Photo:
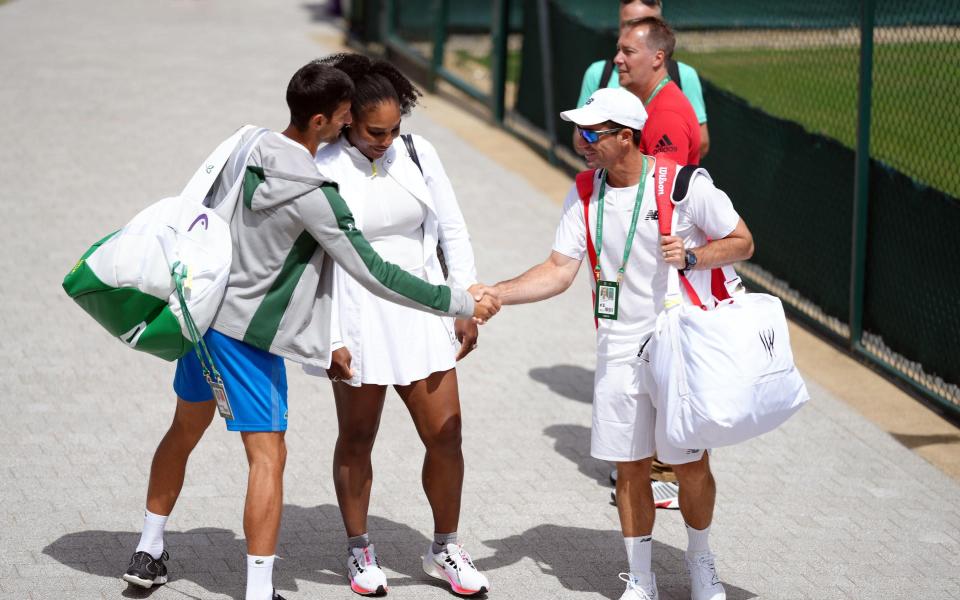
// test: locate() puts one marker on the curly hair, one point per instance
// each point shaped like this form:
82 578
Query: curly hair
374 81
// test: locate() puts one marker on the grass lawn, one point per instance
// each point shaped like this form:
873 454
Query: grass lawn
916 98
465 57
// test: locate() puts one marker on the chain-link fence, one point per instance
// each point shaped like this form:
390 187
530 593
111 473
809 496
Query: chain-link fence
851 192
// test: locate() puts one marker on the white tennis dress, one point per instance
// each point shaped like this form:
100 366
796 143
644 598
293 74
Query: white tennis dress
396 345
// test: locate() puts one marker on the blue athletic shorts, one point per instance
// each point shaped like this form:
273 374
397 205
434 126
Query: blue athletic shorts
255 381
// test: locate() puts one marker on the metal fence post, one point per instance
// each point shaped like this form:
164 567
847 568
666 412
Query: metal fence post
546 68
861 175
441 11
388 19
500 30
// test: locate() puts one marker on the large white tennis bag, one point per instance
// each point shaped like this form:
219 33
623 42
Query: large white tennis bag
128 280
724 375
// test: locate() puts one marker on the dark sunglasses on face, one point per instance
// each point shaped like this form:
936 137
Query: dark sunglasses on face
592 136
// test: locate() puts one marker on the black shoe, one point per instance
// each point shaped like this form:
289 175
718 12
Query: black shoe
146 571
277 596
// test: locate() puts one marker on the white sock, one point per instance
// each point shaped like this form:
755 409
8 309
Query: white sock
639 550
259 577
697 540
151 538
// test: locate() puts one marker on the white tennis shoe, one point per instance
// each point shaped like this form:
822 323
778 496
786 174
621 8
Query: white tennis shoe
366 576
639 588
454 566
704 581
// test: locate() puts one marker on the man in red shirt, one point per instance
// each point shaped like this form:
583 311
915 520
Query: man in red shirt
672 128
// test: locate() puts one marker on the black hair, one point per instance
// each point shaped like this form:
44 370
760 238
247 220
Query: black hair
374 81
316 89
650 3
636 132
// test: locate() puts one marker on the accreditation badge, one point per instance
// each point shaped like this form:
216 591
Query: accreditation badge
607 300
220 395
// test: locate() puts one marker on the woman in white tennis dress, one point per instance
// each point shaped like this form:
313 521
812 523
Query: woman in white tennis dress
403 202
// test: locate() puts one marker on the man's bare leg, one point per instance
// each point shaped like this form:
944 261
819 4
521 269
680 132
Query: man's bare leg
267 456
698 493
635 498
167 471
169 466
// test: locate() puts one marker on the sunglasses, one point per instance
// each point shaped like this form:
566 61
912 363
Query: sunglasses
592 136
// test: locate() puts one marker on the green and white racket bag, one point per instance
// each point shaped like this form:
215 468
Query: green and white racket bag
157 283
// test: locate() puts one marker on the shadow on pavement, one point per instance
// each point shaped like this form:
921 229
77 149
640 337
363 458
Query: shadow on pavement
573 443
588 560
570 381
312 547
913 441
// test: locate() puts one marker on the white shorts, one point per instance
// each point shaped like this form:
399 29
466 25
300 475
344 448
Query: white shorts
626 426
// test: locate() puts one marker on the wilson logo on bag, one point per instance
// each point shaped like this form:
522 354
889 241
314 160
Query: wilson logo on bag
724 375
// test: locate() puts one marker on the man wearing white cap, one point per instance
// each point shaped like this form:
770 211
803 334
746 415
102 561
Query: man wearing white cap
610 216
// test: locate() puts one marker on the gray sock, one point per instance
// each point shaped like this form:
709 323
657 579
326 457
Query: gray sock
358 541
440 541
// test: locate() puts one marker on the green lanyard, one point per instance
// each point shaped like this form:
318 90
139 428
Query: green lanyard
656 90
633 222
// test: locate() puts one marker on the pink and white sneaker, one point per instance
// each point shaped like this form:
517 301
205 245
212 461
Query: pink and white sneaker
454 566
366 576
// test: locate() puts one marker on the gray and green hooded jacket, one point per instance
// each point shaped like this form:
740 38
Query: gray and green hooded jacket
288 226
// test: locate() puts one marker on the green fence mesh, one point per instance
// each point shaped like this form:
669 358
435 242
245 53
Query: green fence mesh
781 84
781 89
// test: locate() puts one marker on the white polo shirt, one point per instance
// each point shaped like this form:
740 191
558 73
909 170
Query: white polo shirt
706 213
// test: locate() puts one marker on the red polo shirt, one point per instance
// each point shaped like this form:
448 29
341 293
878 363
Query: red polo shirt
672 128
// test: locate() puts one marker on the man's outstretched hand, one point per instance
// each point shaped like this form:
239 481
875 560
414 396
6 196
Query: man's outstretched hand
487 302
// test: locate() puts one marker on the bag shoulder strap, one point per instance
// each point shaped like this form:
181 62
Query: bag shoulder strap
408 142
585 191
669 176
209 170
607 72
584 182
673 70
412 150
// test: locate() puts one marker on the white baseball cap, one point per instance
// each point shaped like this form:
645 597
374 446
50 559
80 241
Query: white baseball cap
609 104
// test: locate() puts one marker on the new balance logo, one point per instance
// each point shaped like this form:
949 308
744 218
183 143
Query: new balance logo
766 338
664 144
651 216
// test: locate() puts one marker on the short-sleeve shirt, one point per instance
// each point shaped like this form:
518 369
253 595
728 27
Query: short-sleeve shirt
706 213
671 129
689 82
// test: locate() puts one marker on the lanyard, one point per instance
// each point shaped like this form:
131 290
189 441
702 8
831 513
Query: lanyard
657 89
633 222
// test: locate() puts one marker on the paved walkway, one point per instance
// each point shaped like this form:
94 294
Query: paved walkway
109 105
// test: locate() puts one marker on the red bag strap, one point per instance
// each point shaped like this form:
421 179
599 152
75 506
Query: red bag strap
666 176
584 182
585 190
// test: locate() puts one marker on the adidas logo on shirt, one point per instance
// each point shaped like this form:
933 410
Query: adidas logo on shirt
664 144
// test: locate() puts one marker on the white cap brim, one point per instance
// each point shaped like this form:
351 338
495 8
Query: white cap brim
585 116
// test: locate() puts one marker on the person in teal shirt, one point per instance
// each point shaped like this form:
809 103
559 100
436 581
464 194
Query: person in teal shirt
689 81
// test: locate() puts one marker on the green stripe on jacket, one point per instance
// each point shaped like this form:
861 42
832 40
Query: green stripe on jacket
389 275
266 321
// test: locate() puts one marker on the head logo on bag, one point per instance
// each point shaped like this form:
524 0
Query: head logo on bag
202 218
157 283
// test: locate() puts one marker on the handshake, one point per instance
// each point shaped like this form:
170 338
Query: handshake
487 302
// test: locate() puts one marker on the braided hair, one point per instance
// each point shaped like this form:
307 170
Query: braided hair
374 81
